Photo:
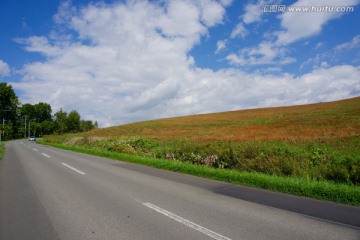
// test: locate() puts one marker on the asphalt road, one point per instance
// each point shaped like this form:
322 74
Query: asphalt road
48 193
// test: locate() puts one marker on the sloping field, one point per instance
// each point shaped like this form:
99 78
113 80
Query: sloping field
315 122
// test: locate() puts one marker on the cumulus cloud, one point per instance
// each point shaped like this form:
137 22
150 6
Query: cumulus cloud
328 84
253 11
130 61
120 59
233 89
4 69
239 30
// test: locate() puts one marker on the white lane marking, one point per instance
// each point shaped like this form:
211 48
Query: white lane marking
35 149
45 155
186 222
72 168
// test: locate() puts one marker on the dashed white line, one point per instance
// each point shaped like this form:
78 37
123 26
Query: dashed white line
72 168
45 155
35 149
186 222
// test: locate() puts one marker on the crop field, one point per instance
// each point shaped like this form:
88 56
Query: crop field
315 122
308 144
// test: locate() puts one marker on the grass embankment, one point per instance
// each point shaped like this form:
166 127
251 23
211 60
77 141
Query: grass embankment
324 190
2 149
311 150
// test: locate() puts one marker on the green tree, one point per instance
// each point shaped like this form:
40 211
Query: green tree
35 129
16 117
26 113
42 119
27 110
42 112
61 121
73 121
47 127
8 110
86 125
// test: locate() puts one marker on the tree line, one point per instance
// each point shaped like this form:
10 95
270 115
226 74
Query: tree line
23 120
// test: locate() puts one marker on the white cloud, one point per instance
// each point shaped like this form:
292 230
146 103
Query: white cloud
328 84
234 89
182 19
315 62
226 3
354 43
127 57
220 45
253 12
294 26
265 53
321 59
319 45
65 12
239 30
324 65
4 69
300 25
130 61
212 12
40 44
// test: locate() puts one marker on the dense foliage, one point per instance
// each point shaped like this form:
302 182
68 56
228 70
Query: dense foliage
21 120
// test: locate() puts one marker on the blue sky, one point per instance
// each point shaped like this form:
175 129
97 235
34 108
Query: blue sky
123 61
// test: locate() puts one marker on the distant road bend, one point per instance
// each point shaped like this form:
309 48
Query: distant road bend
48 193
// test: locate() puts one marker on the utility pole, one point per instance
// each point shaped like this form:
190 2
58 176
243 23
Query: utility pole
1 132
25 128
3 125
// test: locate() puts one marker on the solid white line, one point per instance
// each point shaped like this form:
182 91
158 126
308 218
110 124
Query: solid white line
45 155
186 222
35 149
72 168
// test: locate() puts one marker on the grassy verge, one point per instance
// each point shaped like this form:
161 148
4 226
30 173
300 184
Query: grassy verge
324 190
336 161
2 149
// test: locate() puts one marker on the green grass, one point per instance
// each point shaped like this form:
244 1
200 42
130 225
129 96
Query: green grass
2 149
324 190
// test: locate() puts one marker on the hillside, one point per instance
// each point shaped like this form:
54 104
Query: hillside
317 122
302 146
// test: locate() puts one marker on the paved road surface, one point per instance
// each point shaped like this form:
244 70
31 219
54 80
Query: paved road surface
47 193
